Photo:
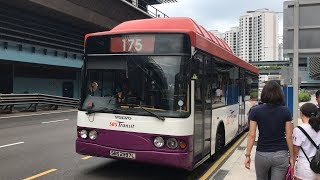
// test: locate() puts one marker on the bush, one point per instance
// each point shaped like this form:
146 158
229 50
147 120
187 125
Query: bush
254 94
304 96
270 67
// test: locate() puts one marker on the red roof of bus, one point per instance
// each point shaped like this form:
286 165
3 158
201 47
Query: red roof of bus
200 37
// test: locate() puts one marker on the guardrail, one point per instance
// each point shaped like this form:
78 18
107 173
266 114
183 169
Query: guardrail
8 101
150 9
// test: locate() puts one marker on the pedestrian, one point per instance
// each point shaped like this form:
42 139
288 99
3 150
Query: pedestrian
303 148
275 134
318 98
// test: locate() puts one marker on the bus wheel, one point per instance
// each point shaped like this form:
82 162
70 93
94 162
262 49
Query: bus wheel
220 140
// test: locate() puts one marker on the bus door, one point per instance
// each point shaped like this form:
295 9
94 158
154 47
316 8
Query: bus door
202 117
198 136
242 111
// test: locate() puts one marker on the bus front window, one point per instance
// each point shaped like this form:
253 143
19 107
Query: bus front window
156 83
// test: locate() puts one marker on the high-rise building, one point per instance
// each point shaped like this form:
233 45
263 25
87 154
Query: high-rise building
232 38
280 52
218 34
258 35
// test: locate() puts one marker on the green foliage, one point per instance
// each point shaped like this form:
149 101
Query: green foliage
270 67
304 96
254 94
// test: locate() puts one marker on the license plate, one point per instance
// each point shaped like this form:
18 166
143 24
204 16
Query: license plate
122 154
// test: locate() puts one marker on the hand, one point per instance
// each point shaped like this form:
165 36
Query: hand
247 162
291 161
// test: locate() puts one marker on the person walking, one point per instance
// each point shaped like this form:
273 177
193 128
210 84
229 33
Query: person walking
275 134
318 98
303 148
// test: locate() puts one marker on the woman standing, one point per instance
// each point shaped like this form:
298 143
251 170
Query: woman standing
275 134
311 125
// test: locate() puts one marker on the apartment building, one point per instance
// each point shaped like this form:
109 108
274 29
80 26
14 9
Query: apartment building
258 35
232 38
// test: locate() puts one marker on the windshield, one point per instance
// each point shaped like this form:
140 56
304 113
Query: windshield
124 84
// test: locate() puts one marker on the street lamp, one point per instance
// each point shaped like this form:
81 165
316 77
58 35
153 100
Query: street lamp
295 63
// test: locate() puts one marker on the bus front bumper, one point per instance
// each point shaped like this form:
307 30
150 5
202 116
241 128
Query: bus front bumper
178 160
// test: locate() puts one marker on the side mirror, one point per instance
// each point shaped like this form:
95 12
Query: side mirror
194 66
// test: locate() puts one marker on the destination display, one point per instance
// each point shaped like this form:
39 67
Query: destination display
132 44
138 44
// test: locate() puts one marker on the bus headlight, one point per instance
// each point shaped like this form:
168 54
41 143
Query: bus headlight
172 143
83 134
93 135
158 142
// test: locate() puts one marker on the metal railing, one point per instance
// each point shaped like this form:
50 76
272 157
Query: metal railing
151 10
8 101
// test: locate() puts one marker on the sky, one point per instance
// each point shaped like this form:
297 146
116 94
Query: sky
219 14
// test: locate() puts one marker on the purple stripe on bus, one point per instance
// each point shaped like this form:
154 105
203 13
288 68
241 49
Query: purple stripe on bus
134 141
139 143
179 160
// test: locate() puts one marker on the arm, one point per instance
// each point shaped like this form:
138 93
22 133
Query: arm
251 139
295 152
289 131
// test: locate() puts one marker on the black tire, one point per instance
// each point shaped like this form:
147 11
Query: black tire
220 141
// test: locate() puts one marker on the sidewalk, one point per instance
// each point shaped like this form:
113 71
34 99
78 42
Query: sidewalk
234 168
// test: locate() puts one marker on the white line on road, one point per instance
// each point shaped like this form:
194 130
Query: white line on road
38 114
55 121
11 144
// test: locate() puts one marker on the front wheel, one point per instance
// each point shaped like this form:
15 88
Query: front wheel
220 141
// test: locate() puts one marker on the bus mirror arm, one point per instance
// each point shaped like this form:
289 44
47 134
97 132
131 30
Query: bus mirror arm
194 66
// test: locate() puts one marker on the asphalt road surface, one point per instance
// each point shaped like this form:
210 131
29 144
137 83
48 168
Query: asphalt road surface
43 144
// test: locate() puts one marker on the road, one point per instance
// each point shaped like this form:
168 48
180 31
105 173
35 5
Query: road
45 143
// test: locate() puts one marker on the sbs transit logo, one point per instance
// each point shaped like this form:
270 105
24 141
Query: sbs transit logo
121 124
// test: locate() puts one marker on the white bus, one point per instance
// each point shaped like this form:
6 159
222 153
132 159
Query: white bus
162 91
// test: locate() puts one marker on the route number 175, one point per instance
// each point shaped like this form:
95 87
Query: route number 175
131 44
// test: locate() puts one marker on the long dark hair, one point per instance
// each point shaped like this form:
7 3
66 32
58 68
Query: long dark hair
272 94
310 110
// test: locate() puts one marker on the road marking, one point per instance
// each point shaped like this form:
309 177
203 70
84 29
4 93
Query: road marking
87 157
39 175
11 144
55 121
222 158
38 114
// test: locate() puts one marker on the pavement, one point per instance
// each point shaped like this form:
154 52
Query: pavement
233 168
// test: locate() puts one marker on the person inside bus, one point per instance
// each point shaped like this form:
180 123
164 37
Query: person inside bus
219 94
124 93
93 88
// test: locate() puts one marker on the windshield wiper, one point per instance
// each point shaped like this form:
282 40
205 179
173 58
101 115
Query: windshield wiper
153 114
90 111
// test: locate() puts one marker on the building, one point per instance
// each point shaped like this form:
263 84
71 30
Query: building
232 38
217 33
258 35
41 42
280 52
308 44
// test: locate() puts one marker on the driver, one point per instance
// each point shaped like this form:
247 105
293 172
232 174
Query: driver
124 93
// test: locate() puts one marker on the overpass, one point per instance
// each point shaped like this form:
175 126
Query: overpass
267 64
270 63
308 70
41 42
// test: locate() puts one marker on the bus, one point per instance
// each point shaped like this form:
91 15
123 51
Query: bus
163 91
